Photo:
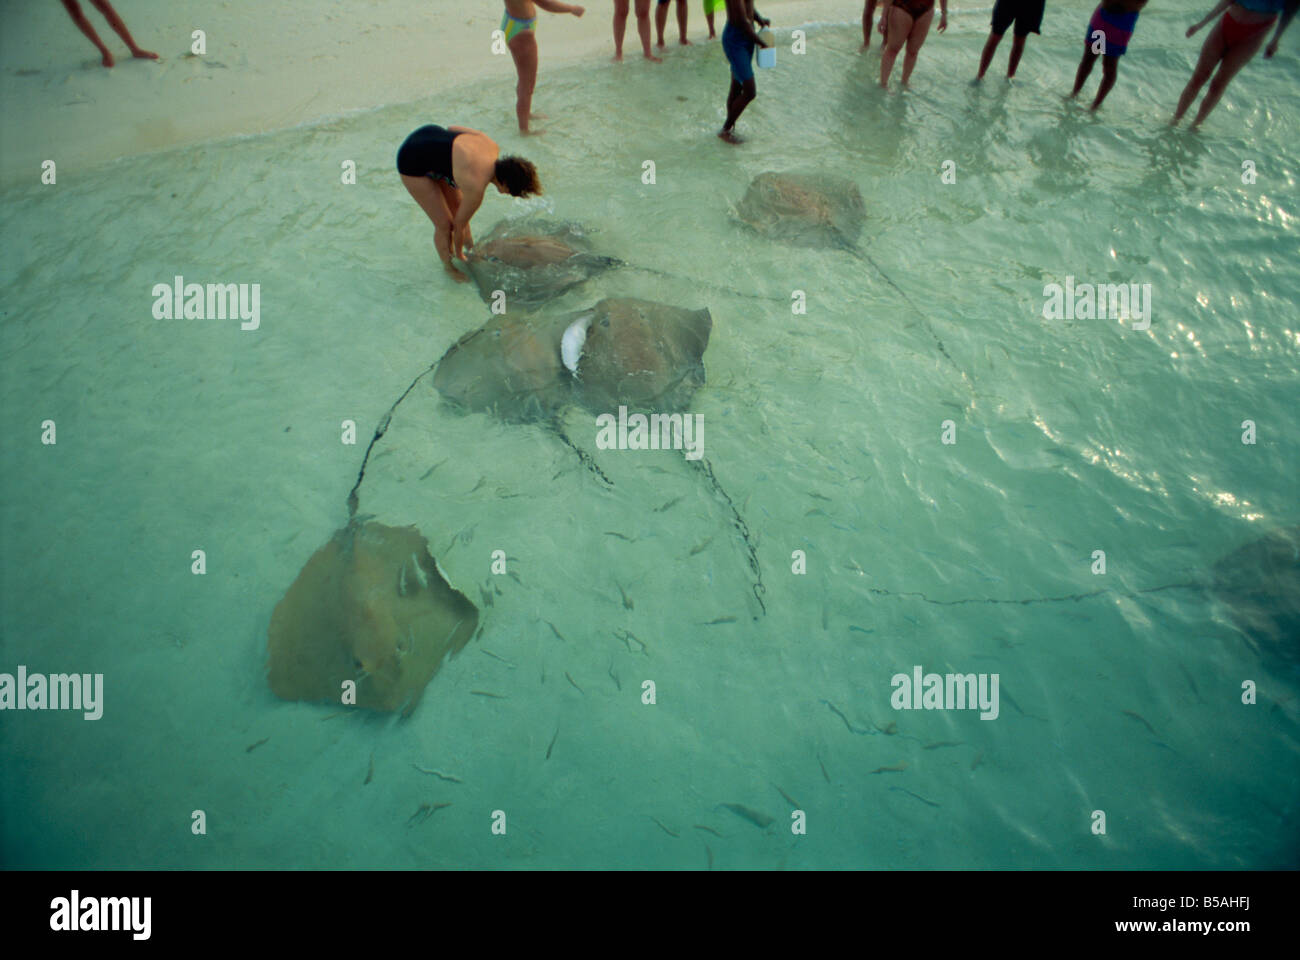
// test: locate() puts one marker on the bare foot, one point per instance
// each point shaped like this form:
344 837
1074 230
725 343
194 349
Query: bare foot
532 133
108 59
457 275
144 54
685 42
730 136
653 59
618 56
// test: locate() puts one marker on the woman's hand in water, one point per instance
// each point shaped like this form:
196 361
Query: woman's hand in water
1193 28
943 22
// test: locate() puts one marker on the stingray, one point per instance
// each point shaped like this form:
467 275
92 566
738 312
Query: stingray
370 606
533 260
805 209
620 352
810 209
1259 583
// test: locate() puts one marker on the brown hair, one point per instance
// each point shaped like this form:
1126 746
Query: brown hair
518 176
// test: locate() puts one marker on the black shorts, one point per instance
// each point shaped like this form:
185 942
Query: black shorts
1027 14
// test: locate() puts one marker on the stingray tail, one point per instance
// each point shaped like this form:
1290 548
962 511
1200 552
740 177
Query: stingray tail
583 455
742 528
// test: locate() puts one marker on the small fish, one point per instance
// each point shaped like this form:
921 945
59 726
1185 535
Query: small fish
714 623
439 774
710 855
425 812
627 601
824 773
700 826
789 799
253 746
916 796
700 547
671 833
839 713
614 676
615 533
1139 719
425 476
575 683
486 596
488 693
820 497
482 481
370 774
979 758
553 630
515 577
669 505
897 768
551 745
760 820
855 627
1190 681
495 656
942 743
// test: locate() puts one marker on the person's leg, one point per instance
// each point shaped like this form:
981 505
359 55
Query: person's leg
868 14
681 21
79 18
1085 68
1017 48
114 21
990 48
742 95
620 25
1109 70
431 200
643 28
1212 51
896 31
915 39
523 48
1238 55
661 20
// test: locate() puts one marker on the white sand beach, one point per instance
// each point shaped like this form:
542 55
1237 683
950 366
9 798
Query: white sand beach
302 62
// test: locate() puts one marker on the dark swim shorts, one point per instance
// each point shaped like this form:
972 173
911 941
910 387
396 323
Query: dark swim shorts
1027 14
740 53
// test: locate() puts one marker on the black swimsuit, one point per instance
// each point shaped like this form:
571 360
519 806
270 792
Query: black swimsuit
427 153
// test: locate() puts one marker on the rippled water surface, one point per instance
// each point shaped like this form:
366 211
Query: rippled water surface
823 430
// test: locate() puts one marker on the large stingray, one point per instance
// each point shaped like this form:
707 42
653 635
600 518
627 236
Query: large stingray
1260 585
533 260
372 607
806 209
620 352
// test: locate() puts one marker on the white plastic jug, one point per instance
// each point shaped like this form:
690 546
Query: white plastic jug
767 55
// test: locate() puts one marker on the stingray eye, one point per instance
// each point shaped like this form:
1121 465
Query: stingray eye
604 322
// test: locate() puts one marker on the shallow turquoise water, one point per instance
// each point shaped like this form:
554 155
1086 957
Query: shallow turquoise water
824 430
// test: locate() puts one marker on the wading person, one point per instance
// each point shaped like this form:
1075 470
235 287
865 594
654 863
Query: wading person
906 22
642 27
1027 15
1231 44
738 41
1109 32
447 171
114 21
520 27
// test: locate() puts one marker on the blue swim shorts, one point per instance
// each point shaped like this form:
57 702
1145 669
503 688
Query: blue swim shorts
740 53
